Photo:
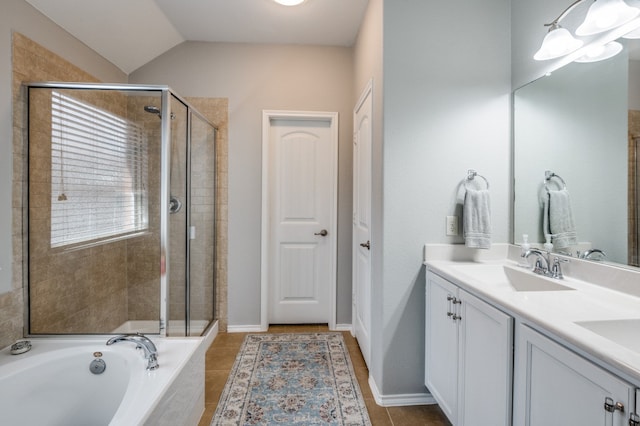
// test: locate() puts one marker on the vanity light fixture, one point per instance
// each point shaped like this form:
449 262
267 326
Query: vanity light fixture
558 41
602 16
633 34
599 52
289 2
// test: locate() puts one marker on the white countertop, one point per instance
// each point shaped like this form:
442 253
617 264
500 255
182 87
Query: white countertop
555 312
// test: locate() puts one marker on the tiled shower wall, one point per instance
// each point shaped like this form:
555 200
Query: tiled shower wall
32 62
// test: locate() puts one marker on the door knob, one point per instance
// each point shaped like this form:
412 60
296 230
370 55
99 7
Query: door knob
322 233
366 245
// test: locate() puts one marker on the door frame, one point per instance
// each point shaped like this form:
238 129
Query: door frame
267 117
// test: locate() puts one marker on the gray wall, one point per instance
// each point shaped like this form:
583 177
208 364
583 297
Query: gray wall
368 63
18 15
253 78
446 110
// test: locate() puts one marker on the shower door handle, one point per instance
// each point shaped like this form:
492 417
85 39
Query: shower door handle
174 204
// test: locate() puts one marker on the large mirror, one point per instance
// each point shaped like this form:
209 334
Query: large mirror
582 124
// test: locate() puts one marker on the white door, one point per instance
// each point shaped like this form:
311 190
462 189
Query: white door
301 225
362 128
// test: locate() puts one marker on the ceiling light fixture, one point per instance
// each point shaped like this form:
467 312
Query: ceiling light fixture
289 2
602 16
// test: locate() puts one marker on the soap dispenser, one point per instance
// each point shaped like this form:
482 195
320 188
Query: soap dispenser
548 246
525 243
524 247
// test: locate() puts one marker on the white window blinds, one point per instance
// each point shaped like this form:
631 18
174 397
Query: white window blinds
98 174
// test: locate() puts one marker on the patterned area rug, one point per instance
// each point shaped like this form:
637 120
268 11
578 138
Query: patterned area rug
292 379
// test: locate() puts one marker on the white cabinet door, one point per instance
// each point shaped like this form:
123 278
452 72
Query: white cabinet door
554 386
468 356
441 340
486 363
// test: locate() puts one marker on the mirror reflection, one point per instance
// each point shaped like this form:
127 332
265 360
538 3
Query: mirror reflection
581 124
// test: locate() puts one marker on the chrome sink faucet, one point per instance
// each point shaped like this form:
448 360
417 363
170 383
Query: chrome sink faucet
543 265
542 261
142 342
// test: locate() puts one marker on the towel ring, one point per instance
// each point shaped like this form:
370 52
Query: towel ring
548 175
472 174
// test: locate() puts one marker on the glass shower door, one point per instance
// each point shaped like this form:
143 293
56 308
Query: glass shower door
202 226
178 220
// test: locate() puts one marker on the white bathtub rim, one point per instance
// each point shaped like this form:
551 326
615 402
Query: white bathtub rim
128 413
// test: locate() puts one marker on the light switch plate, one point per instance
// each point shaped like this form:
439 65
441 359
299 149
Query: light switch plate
452 226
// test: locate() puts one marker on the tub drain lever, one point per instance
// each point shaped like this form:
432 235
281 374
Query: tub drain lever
20 347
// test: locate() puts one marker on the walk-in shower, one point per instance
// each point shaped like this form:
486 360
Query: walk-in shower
120 200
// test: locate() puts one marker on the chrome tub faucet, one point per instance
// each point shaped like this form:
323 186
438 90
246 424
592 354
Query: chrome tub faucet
142 342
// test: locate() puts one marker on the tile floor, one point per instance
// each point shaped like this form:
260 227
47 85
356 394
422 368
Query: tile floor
223 351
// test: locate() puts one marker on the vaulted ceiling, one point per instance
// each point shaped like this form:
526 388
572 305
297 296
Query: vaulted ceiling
130 33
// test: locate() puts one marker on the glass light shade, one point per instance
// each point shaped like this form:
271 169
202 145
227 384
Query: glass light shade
632 34
558 42
600 52
604 15
289 2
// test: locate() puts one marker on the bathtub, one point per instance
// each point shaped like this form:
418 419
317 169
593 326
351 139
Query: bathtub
52 384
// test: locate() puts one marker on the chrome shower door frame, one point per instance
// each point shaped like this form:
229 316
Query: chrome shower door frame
165 165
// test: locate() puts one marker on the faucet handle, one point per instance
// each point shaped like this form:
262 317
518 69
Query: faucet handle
556 269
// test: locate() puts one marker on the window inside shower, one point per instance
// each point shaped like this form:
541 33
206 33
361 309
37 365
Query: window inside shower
98 173
120 197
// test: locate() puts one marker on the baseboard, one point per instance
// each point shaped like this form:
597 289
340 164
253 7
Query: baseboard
210 335
245 328
342 327
258 328
399 399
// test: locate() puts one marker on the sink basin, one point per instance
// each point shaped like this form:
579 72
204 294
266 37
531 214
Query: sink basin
519 279
489 273
625 332
525 280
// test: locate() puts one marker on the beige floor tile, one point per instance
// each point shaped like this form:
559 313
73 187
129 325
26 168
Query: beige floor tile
207 416
417 415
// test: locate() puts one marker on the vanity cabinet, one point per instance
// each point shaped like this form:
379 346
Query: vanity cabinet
554 386
468 355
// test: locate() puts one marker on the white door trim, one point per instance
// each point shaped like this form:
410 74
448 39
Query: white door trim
267 116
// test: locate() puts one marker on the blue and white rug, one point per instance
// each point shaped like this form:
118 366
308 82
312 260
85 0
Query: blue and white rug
292 379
